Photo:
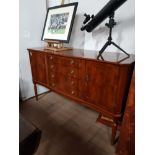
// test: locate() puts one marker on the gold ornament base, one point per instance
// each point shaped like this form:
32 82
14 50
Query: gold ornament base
56 46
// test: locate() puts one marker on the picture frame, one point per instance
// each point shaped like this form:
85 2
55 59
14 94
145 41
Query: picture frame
59 22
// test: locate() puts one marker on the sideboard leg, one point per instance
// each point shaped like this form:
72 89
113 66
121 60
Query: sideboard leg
110 123
35 91
113 136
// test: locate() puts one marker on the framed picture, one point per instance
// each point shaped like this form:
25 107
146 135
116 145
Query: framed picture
59 22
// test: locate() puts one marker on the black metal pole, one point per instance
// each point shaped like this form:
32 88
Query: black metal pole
110 25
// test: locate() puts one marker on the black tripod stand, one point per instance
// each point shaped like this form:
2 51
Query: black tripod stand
110 25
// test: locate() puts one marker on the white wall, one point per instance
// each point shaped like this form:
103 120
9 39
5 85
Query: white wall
123 32
32 16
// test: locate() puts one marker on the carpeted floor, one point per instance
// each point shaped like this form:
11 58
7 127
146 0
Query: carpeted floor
67 128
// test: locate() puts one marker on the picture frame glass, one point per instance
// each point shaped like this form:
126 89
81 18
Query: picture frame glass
59 21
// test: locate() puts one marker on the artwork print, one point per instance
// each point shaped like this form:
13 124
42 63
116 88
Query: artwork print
59 22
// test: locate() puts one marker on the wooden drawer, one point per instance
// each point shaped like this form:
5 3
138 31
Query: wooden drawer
53 58
53 80
54 85
68 85
71 82
70 62
72 91
52 76
54 67
70 71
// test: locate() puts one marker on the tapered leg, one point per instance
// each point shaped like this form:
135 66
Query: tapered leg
35 91
113 136
110 123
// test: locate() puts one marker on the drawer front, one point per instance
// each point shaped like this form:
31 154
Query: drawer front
53 58
68 85
52 76
72 92
70 71
54 85
71 82
53 80
54 67
70 62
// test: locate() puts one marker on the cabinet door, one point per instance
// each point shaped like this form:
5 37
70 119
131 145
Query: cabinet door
101 84
38 66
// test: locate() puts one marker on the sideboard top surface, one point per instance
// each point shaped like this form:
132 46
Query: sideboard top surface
111 57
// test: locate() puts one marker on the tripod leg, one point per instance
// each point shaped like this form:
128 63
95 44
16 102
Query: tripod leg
102 50
101 57
120 48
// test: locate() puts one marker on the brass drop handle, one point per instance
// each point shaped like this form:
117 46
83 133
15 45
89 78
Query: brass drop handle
72 71
51 57
71 62
73 92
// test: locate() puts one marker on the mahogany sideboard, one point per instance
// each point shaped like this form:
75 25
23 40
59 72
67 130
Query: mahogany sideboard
101 85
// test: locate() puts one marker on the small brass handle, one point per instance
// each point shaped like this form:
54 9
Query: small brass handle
72 61
51 57
72 92
72 71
